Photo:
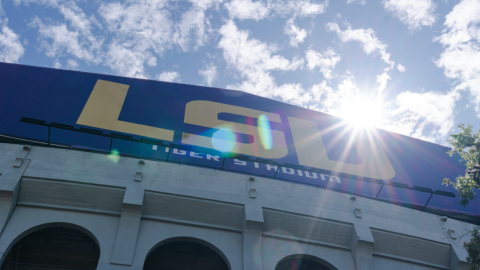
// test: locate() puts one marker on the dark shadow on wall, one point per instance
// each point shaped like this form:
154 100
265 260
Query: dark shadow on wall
303 262
185 255
56 246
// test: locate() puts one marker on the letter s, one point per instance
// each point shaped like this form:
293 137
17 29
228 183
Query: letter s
205 113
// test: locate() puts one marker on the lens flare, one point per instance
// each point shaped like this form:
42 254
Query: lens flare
224 140
265 131
114 156
363 112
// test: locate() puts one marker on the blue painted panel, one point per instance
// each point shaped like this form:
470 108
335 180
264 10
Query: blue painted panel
355 186
60 96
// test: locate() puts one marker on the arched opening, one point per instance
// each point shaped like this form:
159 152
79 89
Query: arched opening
185 254
303 262
55 246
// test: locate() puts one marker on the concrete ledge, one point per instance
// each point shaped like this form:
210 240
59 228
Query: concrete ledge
191 223
379 254
69 208
306 241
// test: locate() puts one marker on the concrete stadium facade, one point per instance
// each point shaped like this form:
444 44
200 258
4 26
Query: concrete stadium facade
131 207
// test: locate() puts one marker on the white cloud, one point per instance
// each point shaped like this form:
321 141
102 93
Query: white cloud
326 62
140 29
57 40
73 36
428 116
152 62
382 80
297 35
193 28
254 60
413 13
361 2
370 44
171 76
461 24
366 37
138 32
2 12
257 10
76 16
57 64
144 29
247 10
319 90
204 4
72 64
461 41
401 68
209 74
11 50
301 8
125 61
318 93
292 93
78 20
334 101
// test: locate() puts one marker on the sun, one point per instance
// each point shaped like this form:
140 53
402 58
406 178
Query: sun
363 112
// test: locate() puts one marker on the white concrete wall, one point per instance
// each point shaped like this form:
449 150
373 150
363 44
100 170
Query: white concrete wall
129 218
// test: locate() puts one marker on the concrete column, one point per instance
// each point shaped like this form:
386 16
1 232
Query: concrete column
458 254
127 233
457 258
362 246
252 237
10 185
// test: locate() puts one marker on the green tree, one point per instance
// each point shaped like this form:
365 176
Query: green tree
467 145
473 249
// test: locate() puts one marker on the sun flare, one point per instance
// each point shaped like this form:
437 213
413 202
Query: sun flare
363 112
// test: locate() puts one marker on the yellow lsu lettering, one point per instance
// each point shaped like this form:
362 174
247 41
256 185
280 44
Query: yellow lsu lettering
205 113
106 101
103 108
311 152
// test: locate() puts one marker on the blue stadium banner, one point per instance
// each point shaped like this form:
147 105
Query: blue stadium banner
224 129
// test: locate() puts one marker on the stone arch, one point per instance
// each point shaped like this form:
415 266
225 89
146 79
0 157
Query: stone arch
305 260
191 240
46 226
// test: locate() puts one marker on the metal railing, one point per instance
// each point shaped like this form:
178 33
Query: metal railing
115 136
171 146
28 266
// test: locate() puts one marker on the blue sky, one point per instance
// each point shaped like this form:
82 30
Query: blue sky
409 66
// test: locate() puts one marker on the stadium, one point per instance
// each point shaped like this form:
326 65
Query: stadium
106 172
